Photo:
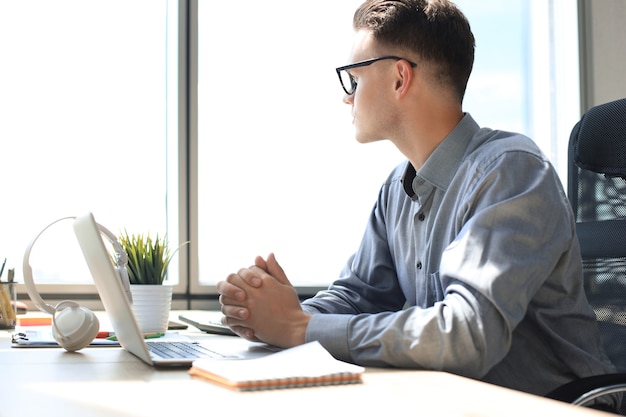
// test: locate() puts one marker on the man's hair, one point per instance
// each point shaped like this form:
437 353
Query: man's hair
435 30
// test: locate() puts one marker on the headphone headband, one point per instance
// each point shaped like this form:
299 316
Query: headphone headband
73 326
120 255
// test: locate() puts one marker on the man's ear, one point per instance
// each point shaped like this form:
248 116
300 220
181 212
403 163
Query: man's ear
405 77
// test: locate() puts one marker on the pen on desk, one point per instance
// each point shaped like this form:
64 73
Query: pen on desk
145 336
153 335
104 335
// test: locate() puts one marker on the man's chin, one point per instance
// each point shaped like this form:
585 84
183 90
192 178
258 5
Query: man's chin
366 139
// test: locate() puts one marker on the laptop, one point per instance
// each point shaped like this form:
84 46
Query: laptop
155 352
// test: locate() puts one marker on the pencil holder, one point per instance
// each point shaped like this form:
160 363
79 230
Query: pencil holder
8 306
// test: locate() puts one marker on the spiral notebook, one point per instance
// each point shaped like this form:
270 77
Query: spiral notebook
302 366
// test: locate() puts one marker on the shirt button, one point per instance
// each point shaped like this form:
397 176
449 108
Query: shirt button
421 217
419 265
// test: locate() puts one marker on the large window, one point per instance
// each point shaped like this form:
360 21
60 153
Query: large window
91 120
85 124
278 167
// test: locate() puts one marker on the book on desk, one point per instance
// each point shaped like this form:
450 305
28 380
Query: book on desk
302 366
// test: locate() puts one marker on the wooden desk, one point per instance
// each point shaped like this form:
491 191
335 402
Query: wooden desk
111 382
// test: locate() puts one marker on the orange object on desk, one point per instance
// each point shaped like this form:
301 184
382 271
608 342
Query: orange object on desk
34 321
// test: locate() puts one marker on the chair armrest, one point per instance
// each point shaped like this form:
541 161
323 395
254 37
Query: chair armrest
584 390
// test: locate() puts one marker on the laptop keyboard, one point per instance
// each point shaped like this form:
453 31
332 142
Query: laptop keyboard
183 350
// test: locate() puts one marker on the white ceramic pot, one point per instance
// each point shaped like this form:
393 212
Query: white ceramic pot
151 306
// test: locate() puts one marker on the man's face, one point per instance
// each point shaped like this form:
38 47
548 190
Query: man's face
372 110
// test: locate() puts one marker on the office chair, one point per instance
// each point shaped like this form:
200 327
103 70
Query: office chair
597 193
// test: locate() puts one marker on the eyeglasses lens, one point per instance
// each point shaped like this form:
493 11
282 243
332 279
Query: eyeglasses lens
348 83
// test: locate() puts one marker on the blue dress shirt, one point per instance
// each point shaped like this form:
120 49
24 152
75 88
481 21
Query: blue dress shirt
470 265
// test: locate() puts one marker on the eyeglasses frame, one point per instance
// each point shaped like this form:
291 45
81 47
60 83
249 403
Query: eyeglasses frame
353 83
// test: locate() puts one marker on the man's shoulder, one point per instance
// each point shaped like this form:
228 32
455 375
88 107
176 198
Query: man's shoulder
490 144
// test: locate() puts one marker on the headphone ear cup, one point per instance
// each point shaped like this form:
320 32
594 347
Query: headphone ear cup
73 326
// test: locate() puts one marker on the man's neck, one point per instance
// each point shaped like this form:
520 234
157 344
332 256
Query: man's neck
421 135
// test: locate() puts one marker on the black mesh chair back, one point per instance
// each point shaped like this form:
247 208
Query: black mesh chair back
597 193
596 187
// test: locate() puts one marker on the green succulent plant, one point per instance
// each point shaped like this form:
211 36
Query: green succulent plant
148 258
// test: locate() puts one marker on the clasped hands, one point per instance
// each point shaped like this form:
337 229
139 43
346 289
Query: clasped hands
260 304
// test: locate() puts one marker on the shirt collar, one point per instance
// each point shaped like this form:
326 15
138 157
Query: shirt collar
442 164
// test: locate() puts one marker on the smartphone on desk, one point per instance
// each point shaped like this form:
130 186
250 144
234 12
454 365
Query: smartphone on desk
208 321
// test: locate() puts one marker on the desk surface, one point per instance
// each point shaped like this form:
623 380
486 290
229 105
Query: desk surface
109 381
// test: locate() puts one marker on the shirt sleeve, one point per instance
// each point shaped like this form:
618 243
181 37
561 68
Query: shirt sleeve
509 235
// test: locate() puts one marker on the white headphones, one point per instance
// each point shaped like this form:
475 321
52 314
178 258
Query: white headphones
73 326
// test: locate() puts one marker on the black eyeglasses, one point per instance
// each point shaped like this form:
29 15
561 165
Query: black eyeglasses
348 83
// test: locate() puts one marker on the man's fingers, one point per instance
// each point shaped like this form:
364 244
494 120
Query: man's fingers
275 270
235 285
245 276
246 333
239 330
229 290
260 262
234 311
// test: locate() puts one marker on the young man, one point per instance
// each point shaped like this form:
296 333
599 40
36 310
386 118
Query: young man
469 263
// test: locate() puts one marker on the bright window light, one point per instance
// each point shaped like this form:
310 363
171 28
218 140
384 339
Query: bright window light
279 168
83 122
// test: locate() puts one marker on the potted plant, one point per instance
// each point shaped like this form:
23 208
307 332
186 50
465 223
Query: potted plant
148 261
